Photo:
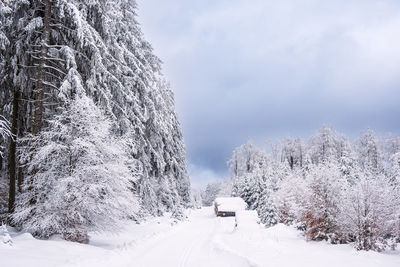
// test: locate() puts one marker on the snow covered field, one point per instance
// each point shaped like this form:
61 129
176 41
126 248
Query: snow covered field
202 240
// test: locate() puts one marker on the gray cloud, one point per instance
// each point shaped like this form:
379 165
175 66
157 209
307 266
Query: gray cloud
265 69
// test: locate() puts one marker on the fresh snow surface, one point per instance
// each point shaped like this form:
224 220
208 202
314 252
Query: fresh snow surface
247 220
230 203
202 240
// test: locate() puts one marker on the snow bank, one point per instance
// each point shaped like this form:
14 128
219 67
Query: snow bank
104 249
247 219
281 246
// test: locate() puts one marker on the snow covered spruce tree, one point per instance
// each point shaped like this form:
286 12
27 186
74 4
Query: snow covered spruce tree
266 209
98 44
78 178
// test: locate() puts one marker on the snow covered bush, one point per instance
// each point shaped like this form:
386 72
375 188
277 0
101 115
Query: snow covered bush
78 179
325 188
5 237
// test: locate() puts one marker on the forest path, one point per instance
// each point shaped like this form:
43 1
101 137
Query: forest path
193 243
202 240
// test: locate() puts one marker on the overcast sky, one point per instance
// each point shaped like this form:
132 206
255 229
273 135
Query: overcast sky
266 69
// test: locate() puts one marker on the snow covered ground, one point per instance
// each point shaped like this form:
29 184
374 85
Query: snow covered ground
202 240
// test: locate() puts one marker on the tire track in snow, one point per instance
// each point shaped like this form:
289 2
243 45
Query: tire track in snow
187 253
200 240
192 243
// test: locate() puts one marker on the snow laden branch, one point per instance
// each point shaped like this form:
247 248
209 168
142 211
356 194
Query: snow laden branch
4 128
5 131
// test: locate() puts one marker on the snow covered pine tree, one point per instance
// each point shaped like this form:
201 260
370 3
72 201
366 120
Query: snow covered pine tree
56 50
78 176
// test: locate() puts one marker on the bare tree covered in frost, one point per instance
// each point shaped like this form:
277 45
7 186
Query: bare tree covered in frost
371 212
327 145
78 178
293 152
210 193
369 153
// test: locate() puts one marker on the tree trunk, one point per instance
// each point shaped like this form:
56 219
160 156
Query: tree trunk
291 162
39 92
13 151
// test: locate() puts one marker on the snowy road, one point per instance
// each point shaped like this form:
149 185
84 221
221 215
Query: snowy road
205 240
191 244
202 240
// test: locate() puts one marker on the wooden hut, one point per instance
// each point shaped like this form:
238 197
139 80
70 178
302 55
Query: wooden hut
227 206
